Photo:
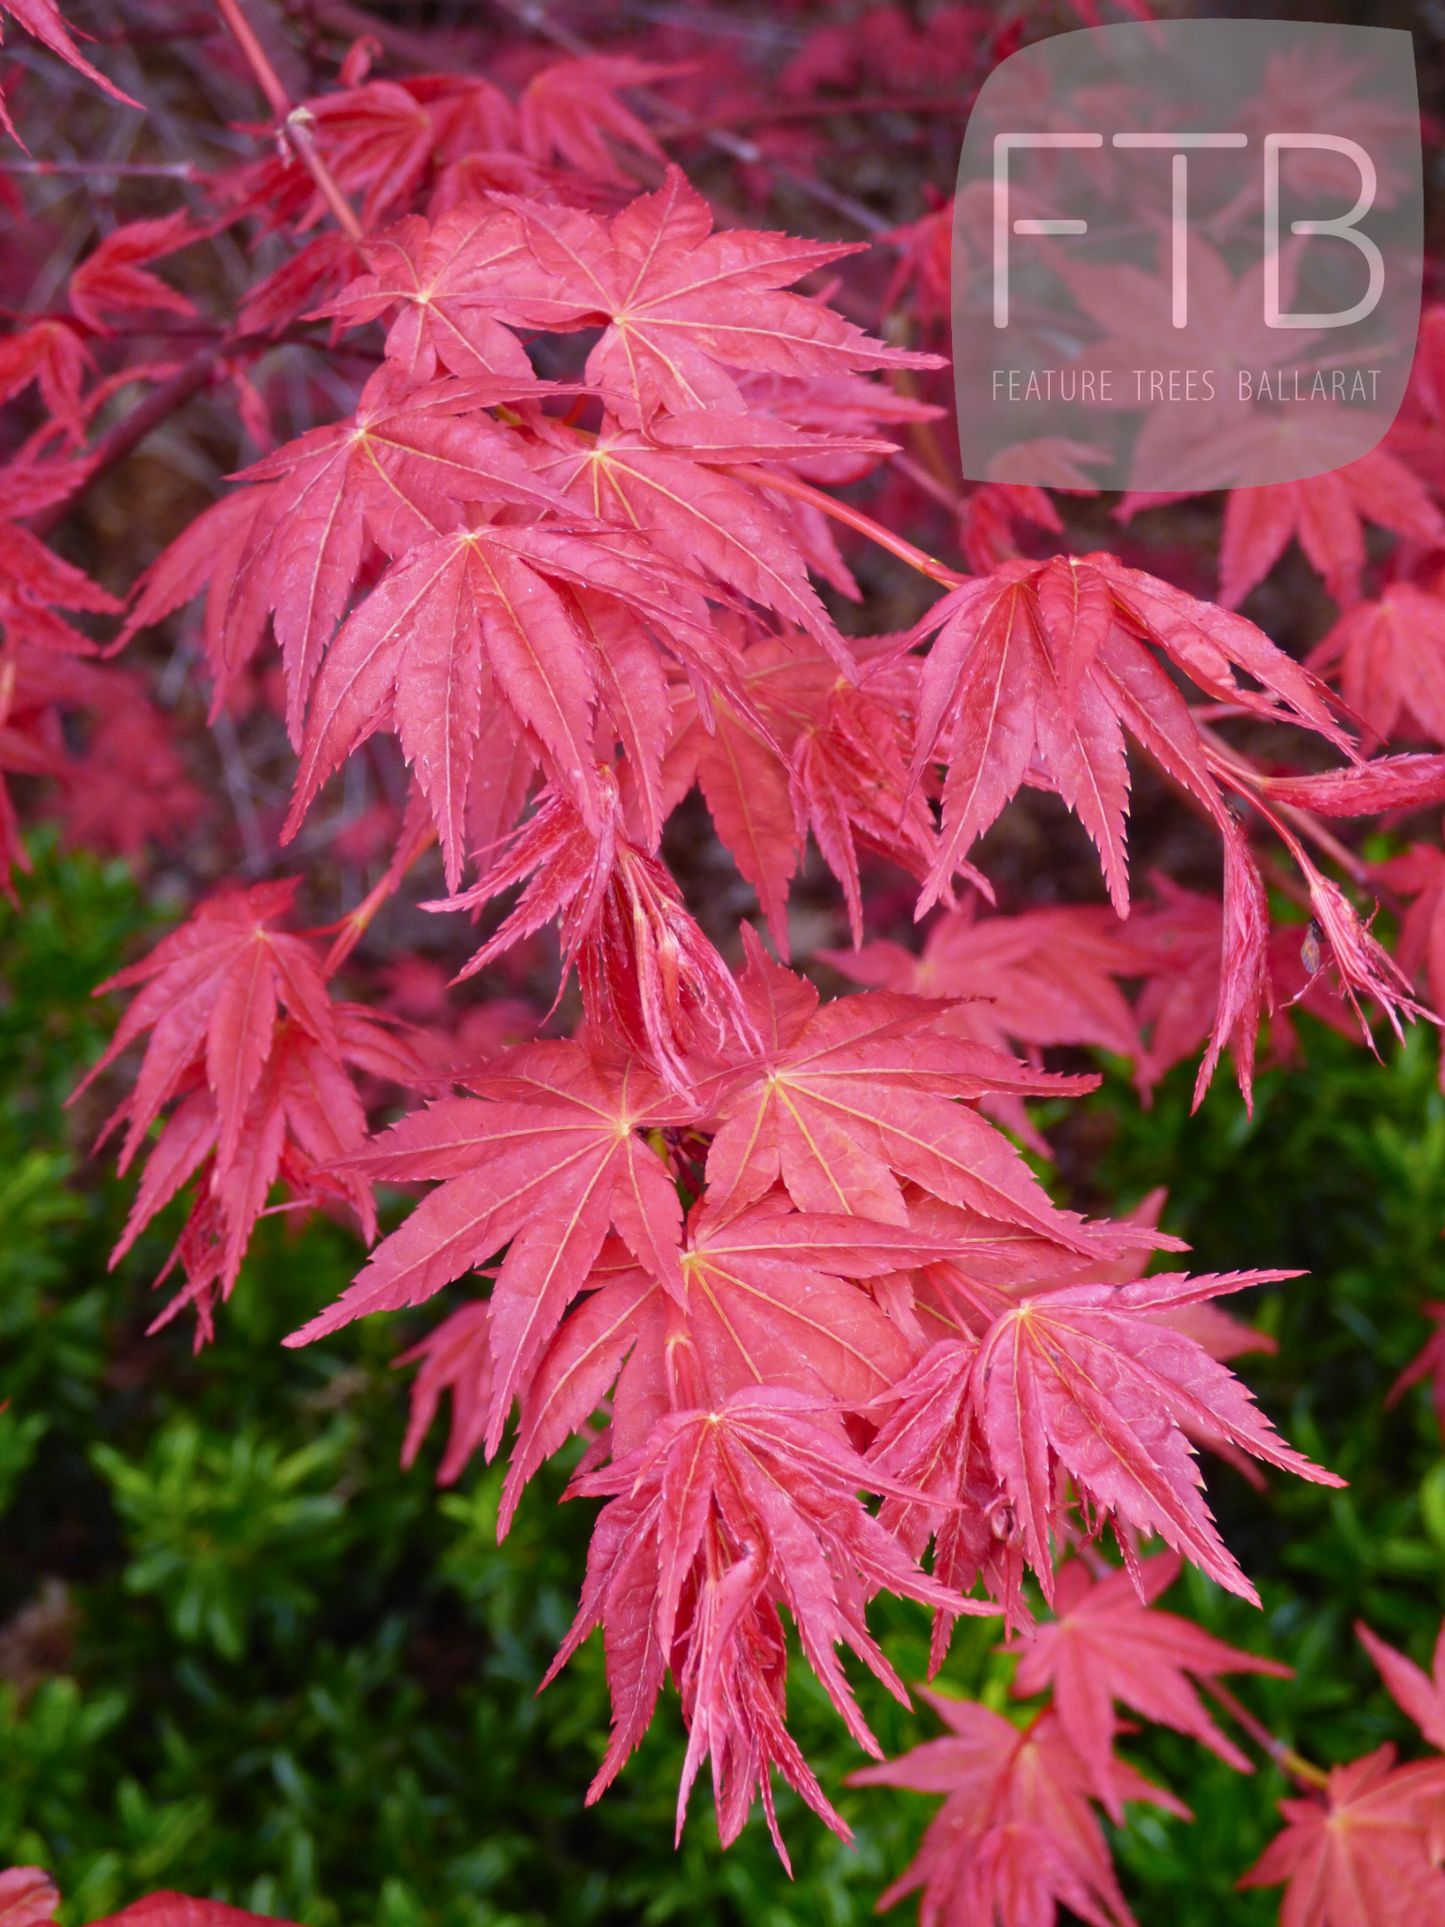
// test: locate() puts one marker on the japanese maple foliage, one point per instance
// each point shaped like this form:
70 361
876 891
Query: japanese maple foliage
605 461
1371 1847
1016 1836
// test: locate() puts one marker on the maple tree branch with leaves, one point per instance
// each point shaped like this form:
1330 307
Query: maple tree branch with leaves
576 550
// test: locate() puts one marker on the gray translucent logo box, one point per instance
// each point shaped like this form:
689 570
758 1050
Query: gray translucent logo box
1187 254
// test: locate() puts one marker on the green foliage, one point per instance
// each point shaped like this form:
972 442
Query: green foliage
304 1680
226 1529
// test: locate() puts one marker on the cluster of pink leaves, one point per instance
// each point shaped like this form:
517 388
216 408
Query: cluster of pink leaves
779 1244
1016 1837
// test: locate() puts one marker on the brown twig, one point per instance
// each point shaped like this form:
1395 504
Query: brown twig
292 122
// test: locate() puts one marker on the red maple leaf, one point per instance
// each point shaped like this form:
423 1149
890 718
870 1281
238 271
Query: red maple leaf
925 266
850 1101
766 1303
1133 309
1040 977
1419 872
468 114
1326 510
43 19
377 141
131 786
112 279
1406 782
1035 675
742 765
546 619
33 582
850 408
455 1357
1414 1691
167 1909
1176 946
716 1520
1108 1641
51 354
262 1096
1365 1852
303 1116
1083 1379
684 309
1389 659
39 673
769 1297
1016 1837
849 780
443 278
1415 434
1325 513
546 1157
650 978
571 107
699 514
396 472
1365 968
622 1325
209 555
1037 670
989 527
1429 1362
817 751
315 273
211 991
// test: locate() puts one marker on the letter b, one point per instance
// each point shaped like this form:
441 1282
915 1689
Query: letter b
1341 226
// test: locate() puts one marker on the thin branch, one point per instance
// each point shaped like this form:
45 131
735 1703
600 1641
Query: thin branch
292 122
1295 1764
134 170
